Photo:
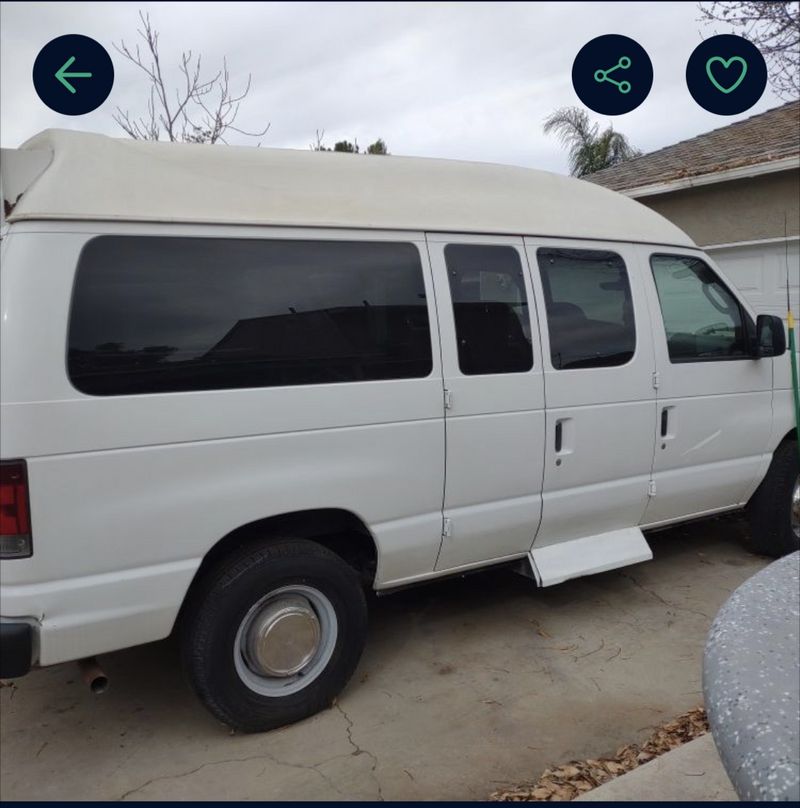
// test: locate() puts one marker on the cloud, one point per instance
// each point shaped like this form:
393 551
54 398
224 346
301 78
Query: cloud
461 80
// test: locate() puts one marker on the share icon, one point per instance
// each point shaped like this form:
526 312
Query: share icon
603 75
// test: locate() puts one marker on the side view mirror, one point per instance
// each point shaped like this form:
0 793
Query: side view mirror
770 336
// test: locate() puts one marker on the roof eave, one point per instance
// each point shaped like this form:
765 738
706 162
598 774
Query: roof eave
727 175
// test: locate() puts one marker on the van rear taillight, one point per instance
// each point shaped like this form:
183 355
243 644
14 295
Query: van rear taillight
15 514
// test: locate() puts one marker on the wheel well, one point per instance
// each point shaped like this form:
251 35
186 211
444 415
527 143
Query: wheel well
790 435
339 530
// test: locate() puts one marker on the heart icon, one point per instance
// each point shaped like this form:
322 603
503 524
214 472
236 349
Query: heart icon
726 63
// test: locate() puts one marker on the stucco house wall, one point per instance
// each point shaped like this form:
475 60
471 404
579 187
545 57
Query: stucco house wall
735 211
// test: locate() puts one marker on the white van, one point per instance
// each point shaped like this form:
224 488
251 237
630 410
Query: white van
239 386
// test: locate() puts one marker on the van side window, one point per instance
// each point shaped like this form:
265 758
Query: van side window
589 308
702 319
490 307
162 314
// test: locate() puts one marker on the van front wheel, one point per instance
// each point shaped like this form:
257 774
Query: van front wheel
774 510
273 633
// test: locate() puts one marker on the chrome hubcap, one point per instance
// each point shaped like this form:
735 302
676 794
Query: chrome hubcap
283 637
285 640
796 508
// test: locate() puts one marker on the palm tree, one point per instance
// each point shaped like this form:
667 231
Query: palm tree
589 148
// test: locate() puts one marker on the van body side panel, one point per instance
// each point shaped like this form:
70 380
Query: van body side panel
783 421
128 493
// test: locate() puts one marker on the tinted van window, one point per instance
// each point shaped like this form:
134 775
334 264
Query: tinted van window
490 307
589 308
160 314
702 319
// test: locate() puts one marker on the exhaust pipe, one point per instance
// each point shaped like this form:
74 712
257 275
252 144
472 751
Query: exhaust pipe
93 675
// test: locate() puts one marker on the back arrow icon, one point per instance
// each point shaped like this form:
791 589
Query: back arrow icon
62 75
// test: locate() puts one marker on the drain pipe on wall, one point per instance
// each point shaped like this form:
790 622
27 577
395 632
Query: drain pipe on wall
792 341
793 360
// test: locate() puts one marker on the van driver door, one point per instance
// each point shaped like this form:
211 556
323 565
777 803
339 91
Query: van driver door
714 397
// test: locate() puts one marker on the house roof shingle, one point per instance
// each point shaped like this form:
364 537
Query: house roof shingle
762 138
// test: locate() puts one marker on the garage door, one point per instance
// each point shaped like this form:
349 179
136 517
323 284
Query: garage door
759 271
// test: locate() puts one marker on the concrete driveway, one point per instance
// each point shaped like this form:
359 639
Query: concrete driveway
465 685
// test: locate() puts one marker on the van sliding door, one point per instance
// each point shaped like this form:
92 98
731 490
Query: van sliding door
494 398
601 411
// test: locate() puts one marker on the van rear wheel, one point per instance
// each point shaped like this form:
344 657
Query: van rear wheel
774 510
273 633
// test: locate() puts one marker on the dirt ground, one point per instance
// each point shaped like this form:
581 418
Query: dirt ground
466 685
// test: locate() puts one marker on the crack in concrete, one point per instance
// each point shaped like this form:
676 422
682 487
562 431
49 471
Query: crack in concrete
589 653
262 756
357 750
658 597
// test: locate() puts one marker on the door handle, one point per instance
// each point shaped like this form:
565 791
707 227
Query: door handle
559 435
664 422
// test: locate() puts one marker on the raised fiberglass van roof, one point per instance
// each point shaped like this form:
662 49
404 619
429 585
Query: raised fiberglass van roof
95 177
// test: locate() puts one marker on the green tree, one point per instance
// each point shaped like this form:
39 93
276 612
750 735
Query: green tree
346 146
589 148
378 147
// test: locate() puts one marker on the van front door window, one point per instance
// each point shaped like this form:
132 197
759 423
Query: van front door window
702 319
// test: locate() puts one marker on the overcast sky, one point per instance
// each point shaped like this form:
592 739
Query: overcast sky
461 80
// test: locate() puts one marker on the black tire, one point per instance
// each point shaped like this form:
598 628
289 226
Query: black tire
770 509
223 598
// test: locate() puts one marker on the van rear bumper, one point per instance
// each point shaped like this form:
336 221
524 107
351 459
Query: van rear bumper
16 649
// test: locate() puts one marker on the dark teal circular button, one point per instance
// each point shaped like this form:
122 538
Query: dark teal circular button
612 74
73 74
726 74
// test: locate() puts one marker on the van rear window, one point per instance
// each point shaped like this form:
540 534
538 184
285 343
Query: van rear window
490 308
165 314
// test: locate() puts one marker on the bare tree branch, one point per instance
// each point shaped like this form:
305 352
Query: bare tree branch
319 141
185 113
773 27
